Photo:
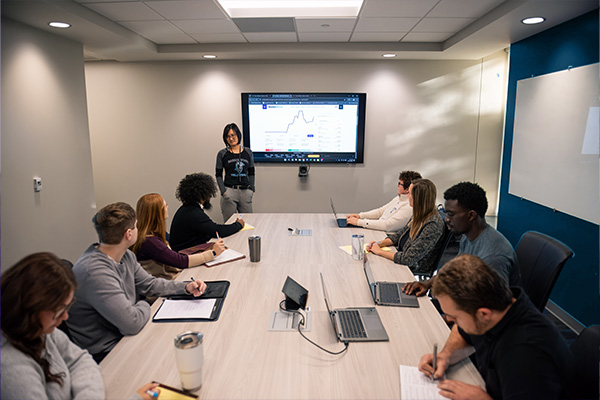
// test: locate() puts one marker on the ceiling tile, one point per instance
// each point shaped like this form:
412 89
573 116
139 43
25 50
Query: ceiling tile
126 11
324 37
145 28
334 25
206 26
442 24
377 36
386 24
219 37
463 8
427 37
187 9
275 37
397 8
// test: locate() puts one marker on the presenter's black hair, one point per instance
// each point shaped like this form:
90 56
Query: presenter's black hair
197 188
235 128
469 196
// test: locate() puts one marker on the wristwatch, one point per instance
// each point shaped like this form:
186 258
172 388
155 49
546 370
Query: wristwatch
214 253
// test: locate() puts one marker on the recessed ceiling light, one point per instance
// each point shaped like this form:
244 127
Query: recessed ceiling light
56 24
389 55
533 20
209 56
291 8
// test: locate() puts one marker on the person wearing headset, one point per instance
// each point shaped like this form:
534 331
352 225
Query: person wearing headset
237 189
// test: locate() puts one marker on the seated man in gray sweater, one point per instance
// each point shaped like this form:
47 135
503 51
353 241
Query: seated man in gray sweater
111 283
466 205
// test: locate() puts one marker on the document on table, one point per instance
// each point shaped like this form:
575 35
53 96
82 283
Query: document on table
185 309
246 227
348 248
415 385
226 256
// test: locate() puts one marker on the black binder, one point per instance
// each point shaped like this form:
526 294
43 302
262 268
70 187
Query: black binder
214 290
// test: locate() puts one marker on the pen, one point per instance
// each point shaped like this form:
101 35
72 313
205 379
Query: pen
193 280
218 237
151 393
434 361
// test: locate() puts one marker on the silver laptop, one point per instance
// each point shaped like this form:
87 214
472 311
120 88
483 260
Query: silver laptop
340 221
356 324
388 293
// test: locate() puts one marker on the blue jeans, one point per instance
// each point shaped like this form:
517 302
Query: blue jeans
236 201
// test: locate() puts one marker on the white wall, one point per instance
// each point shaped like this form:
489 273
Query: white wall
152 123
44 133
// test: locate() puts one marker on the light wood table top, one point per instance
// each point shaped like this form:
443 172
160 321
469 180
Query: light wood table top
242 360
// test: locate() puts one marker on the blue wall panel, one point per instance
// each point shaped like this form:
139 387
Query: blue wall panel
574 43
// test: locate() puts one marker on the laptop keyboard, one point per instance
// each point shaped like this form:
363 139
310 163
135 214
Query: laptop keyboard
352 326
389 293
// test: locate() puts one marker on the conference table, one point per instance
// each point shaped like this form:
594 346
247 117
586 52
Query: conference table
244 360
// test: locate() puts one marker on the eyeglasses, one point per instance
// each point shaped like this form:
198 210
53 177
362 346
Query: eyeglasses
61 313
402 184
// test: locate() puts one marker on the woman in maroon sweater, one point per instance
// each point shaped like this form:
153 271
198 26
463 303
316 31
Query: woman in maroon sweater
152 249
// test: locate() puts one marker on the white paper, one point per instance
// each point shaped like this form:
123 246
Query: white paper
415 385
227 255
185 309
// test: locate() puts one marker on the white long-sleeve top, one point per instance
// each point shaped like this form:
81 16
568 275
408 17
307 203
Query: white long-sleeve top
390 218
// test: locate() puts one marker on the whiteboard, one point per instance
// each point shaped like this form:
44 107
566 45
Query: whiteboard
555 141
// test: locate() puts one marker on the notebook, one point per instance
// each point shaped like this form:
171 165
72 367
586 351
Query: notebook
340 221
356 324
388 293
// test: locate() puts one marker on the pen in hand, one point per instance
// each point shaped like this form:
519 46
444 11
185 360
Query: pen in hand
434 361
151 393
193 280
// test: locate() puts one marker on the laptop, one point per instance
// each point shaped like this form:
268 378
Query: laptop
356 324
388 293
340 221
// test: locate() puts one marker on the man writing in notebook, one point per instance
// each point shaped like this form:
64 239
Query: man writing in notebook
466 205
519 353
111 283
394 215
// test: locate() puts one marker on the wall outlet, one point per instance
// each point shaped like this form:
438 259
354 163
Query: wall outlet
37 184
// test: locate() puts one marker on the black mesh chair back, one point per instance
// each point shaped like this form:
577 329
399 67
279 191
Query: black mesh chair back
541 258
585 350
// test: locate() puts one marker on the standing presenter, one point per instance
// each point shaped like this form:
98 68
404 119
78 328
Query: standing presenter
238 188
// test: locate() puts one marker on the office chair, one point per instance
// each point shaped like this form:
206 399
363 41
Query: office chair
585 350
541 258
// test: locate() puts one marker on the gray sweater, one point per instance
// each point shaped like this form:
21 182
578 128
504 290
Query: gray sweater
109 304
419 254
23 378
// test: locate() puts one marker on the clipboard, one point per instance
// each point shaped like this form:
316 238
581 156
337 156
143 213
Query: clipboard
214 296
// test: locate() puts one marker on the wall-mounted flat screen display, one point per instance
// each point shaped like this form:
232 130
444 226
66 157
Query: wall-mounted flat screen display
304 127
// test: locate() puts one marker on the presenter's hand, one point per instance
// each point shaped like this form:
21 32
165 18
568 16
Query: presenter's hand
462 391
352 220
426 364
219 246
417 288
352 216
152 387
197 288
241 221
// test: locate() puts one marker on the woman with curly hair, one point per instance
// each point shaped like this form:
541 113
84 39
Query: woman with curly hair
191 226
419 242
152 248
